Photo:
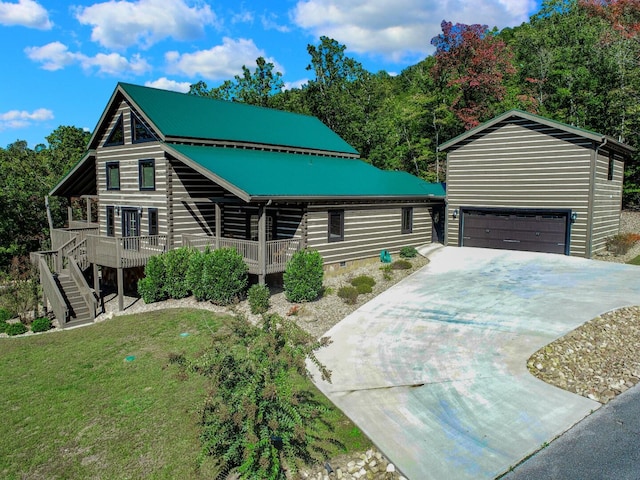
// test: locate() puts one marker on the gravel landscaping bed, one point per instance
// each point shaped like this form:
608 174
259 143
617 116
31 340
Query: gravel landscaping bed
600 359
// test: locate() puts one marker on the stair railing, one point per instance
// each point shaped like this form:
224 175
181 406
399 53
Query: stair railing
86 292
52 292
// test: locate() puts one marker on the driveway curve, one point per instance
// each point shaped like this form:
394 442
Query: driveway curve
434 369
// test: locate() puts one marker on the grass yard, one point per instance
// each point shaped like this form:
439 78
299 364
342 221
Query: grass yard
74 404
634 261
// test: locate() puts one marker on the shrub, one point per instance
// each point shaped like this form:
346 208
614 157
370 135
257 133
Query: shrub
363 283
621 243
408 252
386 272
303 276
259 418
176 264
5 315
224 276
15 329
194 274
258 298
349 294
3 327
152 287
41 324
401 265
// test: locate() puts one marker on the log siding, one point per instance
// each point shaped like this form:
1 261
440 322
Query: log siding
368 229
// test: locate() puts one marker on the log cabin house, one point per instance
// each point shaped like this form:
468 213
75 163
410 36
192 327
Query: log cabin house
165 170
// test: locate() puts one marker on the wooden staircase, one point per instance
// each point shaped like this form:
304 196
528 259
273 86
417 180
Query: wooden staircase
64 284
79 313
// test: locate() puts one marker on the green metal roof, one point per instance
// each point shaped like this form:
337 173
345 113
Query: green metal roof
190 116
255 174
597 137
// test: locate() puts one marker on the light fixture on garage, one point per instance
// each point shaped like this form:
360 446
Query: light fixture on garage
574 217
455 213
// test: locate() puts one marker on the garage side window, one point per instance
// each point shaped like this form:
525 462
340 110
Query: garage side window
611 166
336 226
407 220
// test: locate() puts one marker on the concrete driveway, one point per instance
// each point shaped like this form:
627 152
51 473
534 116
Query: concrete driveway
434 370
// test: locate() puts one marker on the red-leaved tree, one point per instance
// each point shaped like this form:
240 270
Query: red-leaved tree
623 15
473 62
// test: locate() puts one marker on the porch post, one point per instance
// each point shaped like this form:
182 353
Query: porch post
120 289
88 210
262 245
69 213
218 225
96 280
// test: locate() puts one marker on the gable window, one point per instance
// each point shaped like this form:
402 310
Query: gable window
611 167
336 226
147 174
139 131
113 175
407 220
153 221
111 217
116 137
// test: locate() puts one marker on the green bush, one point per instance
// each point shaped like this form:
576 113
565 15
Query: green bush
401 265
15 329
41 324
408 252
176 263
194 274
303 276
258 296
349 294
152 287
5 315
224 276
363 283
3 326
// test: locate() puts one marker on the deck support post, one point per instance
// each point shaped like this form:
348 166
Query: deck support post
218 225
88 210
120 289
262 245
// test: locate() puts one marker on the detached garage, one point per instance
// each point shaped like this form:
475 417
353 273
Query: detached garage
524 182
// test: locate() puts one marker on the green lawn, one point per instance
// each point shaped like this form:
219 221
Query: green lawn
634 261
74 404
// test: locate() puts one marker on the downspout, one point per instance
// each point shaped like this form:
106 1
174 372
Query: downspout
592 196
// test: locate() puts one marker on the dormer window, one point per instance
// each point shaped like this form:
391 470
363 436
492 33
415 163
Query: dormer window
116 137
140 131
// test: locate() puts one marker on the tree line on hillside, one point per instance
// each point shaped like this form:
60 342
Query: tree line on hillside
575 61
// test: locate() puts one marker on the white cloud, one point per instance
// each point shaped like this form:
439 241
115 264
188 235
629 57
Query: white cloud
22 118
403 28
26 13
56 56
165 84
243 17
121 24
220 62
270 22
296 84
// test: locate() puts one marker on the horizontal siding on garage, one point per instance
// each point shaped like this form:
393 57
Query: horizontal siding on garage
367 230
607 198
521 164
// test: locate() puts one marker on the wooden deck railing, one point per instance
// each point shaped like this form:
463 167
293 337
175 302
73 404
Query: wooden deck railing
61 236
124 252
277 254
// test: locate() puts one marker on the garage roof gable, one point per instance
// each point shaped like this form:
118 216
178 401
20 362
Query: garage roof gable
596 137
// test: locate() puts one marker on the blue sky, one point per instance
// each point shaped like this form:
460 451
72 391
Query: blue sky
62 60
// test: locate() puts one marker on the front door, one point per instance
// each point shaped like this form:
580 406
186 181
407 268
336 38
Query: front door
130 226
437 220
